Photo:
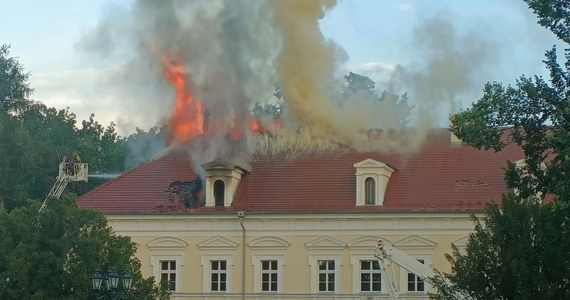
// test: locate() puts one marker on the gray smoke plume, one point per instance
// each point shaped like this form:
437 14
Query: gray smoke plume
449 70
236 52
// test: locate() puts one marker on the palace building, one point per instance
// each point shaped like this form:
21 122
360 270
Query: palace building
302 226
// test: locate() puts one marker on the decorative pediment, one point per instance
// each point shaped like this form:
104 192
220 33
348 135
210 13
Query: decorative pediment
365 242
415 242
269 242
371 163
217 243
166 243
461 243
325 242
217 165
221 165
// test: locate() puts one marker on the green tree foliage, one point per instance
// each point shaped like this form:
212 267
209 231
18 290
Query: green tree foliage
34 138
144 145
54 254
13 142
387 103
554 15
360 83
14 88
519 250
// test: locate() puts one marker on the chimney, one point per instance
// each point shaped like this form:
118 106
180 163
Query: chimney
455 141
206 121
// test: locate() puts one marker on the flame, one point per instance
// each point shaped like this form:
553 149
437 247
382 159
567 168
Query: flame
254 126
187 118
236 131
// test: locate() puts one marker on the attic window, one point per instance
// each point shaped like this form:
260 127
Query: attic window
219 191
372 178
370 190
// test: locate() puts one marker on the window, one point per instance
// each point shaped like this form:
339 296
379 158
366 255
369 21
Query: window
168 273
370 190
326 275
269 275
168 268
370 276
219 191
218 275
416 283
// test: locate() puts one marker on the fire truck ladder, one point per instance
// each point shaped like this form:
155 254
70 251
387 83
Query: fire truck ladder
56 190
67 172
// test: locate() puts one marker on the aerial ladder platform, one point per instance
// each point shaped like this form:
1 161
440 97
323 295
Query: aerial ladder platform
68 171
386 254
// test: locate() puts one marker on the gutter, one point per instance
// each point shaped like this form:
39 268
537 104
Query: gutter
241 216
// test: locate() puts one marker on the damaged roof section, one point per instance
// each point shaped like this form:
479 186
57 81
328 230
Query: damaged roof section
423 181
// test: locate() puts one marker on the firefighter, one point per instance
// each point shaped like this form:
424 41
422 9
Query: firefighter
75 160
76 157
65 162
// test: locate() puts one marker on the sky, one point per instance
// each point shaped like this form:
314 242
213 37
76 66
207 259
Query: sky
489 40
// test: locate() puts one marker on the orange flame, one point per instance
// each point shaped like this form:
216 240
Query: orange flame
236 131
254 126
187 118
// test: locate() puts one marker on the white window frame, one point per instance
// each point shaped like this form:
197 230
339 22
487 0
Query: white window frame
314 264
355 264
155 261
256 262
380 172
404 276
206 271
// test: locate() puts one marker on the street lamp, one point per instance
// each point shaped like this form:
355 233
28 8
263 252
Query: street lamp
108 287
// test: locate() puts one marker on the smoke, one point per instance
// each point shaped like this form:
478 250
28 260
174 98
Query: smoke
143 146
235 53
450 69
304 63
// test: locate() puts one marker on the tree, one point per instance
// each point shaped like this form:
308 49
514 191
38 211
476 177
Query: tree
14 88
360 83
54 254
519 249
34 138
13 141
143 145
363 88
554 15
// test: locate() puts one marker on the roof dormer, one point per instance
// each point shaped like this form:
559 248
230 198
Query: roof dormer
222 181
372 179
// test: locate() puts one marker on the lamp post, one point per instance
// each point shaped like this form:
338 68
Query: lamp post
108 287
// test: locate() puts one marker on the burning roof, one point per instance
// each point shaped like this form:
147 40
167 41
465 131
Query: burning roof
437 178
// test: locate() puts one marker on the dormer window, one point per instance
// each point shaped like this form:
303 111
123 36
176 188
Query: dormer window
372 179
219 192
370 191
222 180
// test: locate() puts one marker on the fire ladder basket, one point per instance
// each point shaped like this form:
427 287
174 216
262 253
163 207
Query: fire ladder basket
67 172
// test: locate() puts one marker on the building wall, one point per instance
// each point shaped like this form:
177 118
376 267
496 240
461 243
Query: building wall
295 239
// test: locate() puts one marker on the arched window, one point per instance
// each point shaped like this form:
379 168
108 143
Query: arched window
219 191
370 191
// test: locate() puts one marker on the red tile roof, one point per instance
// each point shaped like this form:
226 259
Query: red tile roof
437 178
